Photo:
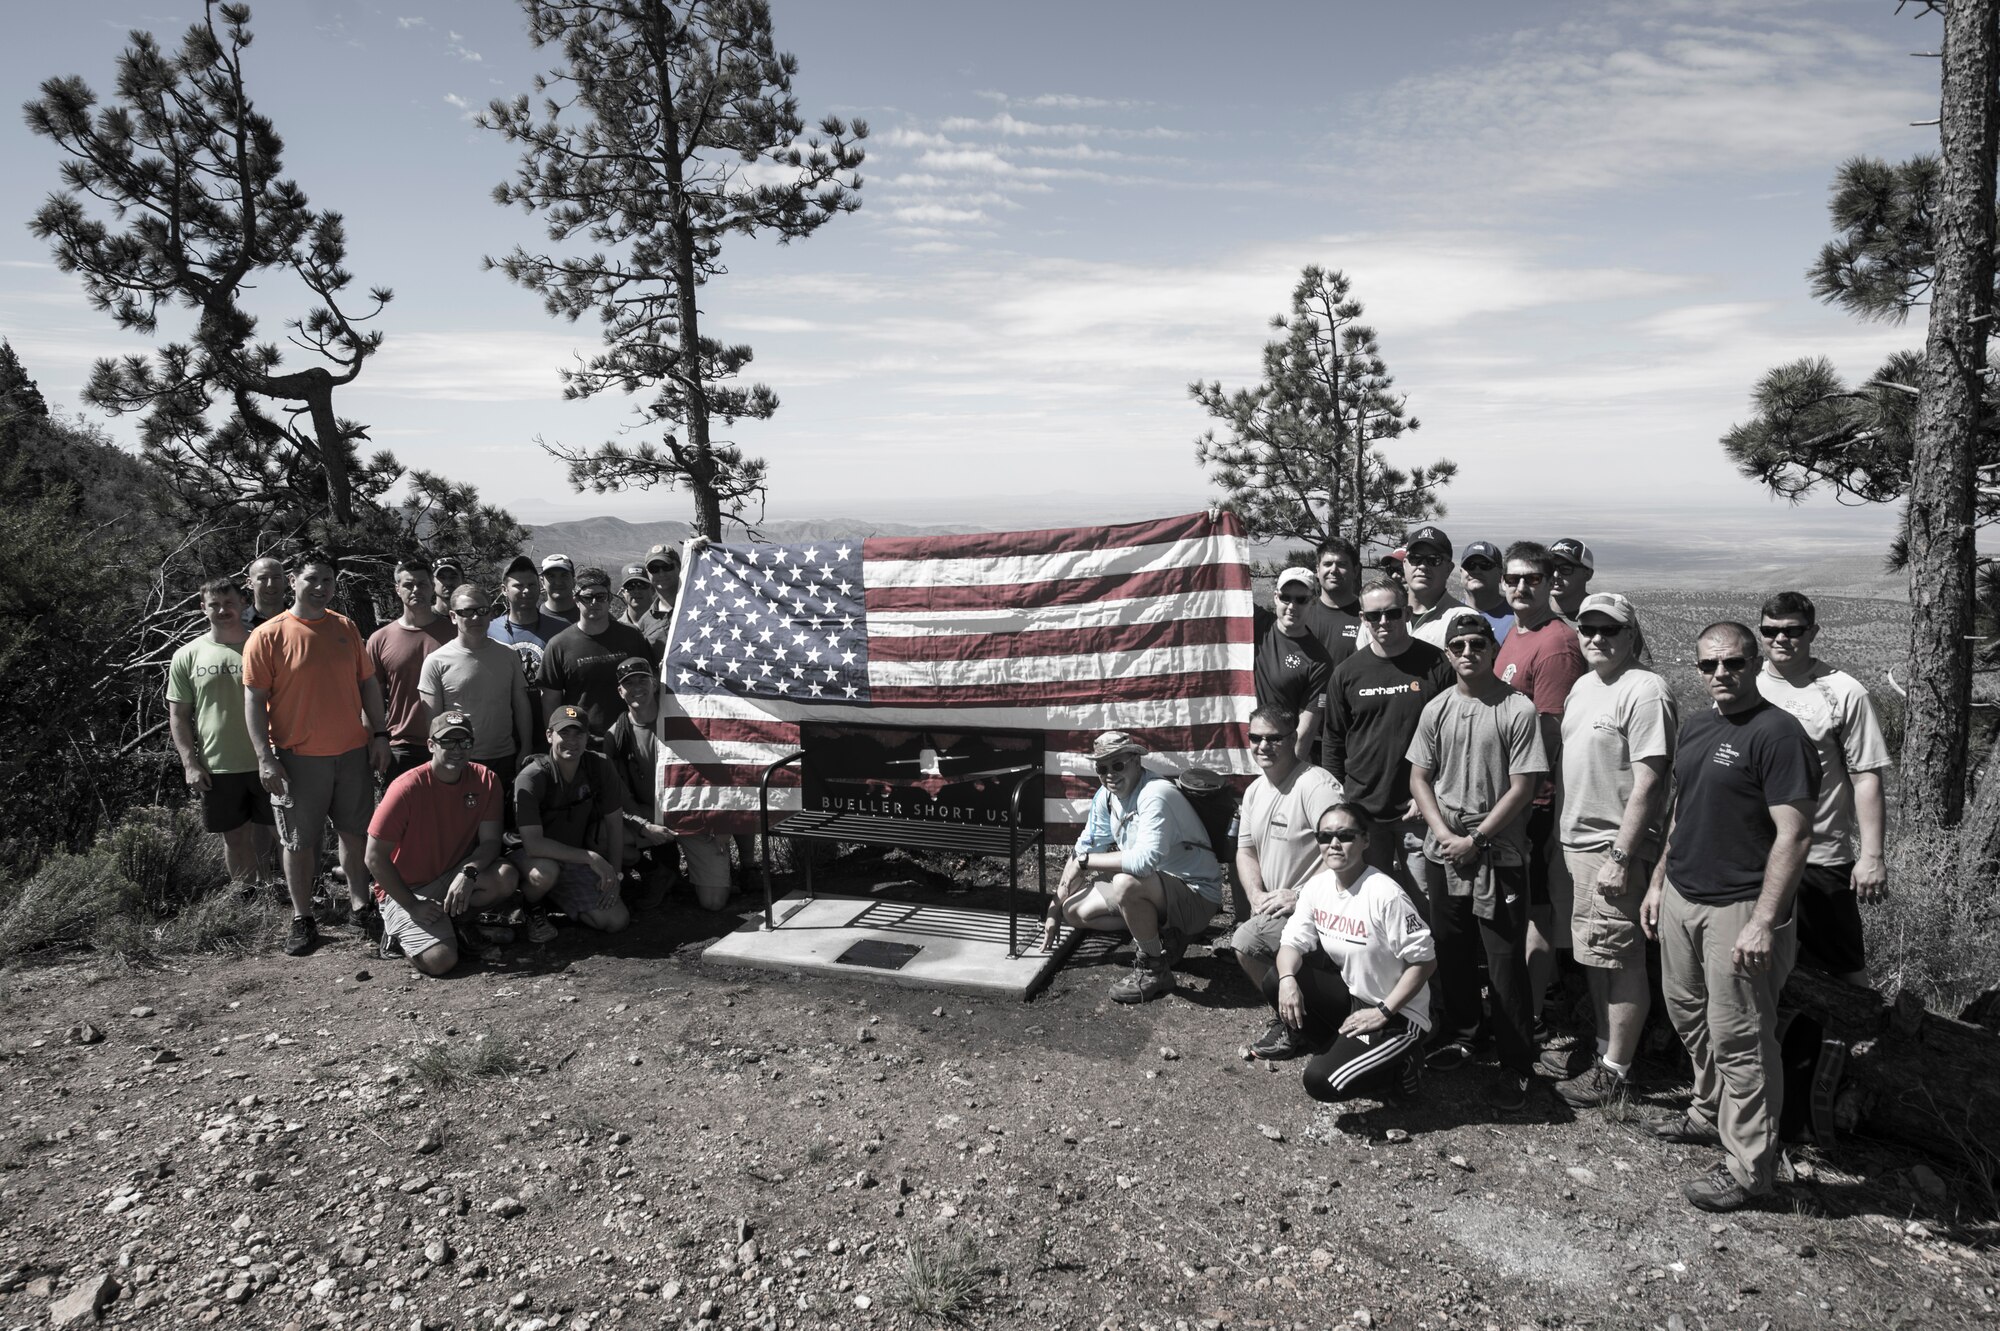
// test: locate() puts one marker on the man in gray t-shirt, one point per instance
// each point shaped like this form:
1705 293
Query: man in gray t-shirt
485 680
1475 761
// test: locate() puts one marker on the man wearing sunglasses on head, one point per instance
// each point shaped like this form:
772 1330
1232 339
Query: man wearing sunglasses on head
1143 863
1276 852
1840 720
1427 579
1292 665
1570 572
1481 566
1475 761
1372 705
1541 658
1747 780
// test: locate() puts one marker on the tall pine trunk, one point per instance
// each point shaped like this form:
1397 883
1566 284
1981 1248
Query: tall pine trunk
1948 404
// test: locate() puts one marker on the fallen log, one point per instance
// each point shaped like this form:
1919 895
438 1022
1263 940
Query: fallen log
1914 1077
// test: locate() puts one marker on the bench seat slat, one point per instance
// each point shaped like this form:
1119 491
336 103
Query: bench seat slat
874 830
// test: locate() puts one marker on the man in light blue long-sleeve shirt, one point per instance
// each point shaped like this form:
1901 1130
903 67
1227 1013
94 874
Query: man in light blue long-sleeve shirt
1143 863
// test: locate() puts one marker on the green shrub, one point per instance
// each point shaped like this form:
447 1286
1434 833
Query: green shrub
63 904
1938 934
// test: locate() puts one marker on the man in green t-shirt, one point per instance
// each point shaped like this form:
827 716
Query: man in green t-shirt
205 711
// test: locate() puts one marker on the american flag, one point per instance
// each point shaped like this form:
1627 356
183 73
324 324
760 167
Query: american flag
1144 627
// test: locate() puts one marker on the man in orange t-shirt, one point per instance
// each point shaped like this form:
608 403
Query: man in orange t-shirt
314 710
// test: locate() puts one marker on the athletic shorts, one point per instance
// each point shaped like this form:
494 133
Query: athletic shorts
233 799
577 891
316 789
405 758
398 923
1259 936
1603 930
1830 920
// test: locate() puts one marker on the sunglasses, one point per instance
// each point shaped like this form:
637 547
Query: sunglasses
1521 579
454 745
1479 566
1600 630
1295 600
1771 631
1389 616
472 612
1115 765
1344 835
1722 665
1467 646
1424 561
1256 739
592 598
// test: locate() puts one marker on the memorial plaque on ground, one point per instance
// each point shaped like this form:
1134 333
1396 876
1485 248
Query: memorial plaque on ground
952 777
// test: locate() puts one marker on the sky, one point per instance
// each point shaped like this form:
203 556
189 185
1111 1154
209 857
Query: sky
1580 232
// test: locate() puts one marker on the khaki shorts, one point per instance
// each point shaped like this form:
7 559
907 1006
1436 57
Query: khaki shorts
1604 931
1260 936
341 788
707 859
1183 908
400 925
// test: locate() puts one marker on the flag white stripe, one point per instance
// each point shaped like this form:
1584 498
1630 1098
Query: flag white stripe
998 672
1168 761
1147 714
1100 614
1015 570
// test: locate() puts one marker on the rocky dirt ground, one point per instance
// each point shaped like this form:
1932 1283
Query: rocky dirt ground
615 1132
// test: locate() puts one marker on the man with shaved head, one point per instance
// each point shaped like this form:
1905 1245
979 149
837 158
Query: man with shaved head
268 584
1721 904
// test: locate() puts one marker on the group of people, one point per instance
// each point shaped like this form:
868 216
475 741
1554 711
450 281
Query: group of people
475 768
1453 794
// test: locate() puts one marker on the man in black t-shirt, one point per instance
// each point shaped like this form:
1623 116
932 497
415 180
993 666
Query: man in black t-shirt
569 804
580 664
1373 703
1292 666
1335 614
1746 782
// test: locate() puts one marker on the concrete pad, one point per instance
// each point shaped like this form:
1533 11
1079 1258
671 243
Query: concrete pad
955 948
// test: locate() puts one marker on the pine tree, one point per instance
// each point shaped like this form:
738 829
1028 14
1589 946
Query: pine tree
669 128
1300 460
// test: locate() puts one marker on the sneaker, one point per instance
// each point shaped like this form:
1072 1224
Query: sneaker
1150 978
1595 1087
1174 943
369 921
1716 1190
1507 1092
538 927
1278 1043
1449 1056
1565 1064
303 937
484 936
388 947
1685 1130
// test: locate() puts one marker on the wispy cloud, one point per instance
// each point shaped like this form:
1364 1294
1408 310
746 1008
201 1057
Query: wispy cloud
407 23
466 110
458 48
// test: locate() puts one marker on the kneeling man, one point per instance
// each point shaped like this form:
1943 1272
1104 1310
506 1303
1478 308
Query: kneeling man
432 846
569 805
1143 863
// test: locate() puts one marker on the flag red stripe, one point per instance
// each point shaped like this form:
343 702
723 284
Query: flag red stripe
1060 642
1066 540
1073 692
1170 739
1061 591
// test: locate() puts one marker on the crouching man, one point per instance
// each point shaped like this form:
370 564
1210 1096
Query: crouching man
1143 863
433 846
569 805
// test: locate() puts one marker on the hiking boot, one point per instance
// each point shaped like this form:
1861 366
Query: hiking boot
1566 1064
1716 1190
1597 1086
1174 943
303 937
1278 1043
1449 1056
1686 1130
539 930
1150 977
1507 1092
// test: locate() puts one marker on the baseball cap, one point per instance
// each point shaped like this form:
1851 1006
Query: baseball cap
451 722
562 718
519 564
563 562
1574 551
634 665
1431 536
447 564
663 554
1466 620
1609 604
1480 550
1112 743
632 573
1296 574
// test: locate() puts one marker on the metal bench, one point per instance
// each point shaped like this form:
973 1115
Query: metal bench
887 786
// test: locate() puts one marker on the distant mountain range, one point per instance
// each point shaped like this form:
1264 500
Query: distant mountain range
612 542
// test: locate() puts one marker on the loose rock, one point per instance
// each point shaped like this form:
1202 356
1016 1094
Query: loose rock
83 1303
84 1033
505 1207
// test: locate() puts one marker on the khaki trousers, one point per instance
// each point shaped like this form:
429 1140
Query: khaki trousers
1729 1023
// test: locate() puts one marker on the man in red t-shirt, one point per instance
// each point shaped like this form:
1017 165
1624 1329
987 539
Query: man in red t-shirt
434 848
1542 659
397 650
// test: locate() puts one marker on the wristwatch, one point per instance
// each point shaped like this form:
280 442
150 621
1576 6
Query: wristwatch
381 734
1383 1008
1482 841
1619 857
